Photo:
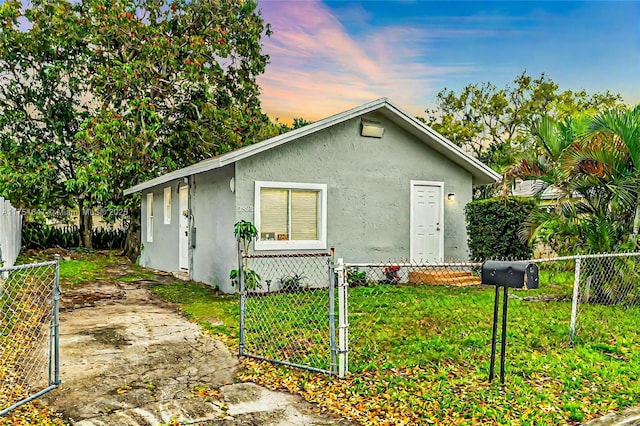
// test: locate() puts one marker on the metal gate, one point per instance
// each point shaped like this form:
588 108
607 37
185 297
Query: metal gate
287 310
29 357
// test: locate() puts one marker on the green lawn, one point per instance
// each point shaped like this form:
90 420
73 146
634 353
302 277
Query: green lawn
426 349
420 354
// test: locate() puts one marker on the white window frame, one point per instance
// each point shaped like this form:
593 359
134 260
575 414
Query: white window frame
167 205
150 217
320 244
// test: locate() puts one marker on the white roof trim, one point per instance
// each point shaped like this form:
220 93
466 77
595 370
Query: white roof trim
477 168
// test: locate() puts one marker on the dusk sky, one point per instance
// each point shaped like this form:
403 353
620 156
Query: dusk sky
329 56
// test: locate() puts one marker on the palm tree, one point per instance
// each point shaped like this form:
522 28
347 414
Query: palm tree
623 125
596 164
551 140
592 170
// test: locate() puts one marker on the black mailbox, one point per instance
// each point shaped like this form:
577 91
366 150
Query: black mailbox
516 274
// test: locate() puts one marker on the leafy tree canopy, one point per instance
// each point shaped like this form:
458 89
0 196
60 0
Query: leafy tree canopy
176 82
97 95
489 122
44 92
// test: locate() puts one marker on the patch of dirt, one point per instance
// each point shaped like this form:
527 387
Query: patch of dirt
91 296
129 358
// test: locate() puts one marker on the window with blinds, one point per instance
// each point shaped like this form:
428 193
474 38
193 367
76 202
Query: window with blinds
290 215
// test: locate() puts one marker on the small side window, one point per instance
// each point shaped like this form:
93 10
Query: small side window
150 217
167 205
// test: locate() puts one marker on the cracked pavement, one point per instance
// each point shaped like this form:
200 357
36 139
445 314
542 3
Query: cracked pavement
128 358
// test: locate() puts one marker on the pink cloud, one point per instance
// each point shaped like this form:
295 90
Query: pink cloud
317 68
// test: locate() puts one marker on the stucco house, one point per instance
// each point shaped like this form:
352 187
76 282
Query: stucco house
373 182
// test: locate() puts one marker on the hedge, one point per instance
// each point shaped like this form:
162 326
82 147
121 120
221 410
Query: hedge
493 225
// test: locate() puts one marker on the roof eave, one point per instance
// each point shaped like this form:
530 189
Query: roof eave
482 174
247 151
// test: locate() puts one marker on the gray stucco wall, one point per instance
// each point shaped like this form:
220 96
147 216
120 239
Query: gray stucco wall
213 208
162 252
368 187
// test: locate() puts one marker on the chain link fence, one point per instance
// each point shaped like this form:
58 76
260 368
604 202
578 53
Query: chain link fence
286 310
407 314
29 358
606 298
306 311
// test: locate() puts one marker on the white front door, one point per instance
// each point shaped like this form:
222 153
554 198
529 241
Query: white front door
427 230
183 202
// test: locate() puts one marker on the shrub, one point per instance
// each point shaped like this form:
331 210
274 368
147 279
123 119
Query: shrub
356 277
40 236
493 225
291 283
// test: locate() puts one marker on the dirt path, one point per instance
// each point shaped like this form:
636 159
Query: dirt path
128 358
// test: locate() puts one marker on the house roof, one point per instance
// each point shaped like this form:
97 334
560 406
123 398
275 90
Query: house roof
481 173
534 187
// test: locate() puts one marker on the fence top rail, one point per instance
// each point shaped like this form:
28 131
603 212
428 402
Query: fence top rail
274 255
28 266
586 256
412 264
475 263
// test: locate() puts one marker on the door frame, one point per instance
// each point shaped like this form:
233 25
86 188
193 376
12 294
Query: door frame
413 184
185 188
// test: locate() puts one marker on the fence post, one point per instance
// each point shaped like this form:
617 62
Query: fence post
57 292
332 313
243 301
574 300
343 321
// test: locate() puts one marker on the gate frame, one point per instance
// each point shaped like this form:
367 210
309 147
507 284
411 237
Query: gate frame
54 380
331 269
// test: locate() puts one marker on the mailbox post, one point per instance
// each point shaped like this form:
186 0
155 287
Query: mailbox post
517 274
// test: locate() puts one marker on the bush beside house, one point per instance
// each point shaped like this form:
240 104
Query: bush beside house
493 226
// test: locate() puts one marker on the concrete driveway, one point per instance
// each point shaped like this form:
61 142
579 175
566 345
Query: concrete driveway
129 358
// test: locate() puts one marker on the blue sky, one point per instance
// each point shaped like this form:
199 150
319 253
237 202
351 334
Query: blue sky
328 56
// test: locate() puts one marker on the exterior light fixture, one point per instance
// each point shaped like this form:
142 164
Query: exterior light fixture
451 196
371 129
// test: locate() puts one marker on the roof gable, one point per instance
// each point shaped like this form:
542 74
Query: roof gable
481 173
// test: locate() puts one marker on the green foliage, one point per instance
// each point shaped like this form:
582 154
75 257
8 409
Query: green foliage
299 122
244 230
39 236
493 226
291 283
590 161
356 277
97 96
44 99
183 87
251 278
493 123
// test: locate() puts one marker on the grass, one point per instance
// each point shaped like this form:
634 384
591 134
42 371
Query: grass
426 351
214 311
420 354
